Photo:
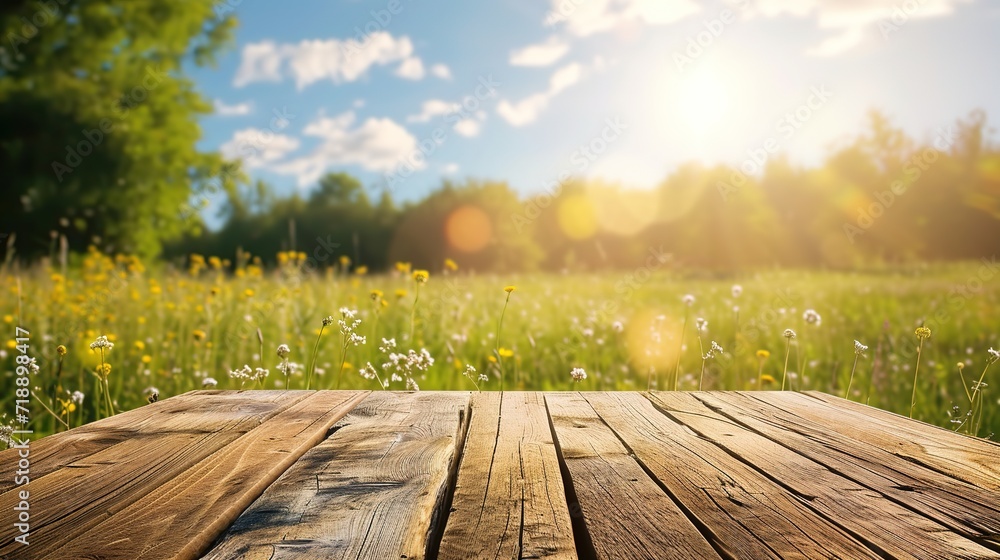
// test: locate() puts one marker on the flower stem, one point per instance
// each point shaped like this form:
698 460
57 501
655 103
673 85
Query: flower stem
680 347
497 349
851 380
312 367
784 371
916 370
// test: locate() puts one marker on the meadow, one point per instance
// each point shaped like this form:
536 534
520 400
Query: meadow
219 324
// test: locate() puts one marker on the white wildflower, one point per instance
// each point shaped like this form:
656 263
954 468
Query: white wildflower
617 326
283 351
102 342
789 334
737 290
209 383
578 374
700 324
76 397
812 317
411 385
859 349
688 300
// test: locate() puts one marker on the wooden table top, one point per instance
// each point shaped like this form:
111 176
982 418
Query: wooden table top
457 475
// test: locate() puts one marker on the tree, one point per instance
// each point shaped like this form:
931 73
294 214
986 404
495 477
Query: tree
98 124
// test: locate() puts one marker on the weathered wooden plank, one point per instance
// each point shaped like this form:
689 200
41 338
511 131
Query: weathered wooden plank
627 515
885 525
68 502
184 516
960 506
53 452
509 501
746 514
370 491
973 460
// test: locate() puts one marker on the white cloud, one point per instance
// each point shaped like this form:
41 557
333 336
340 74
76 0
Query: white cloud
528 109
541 54
224 110
433 108
849 20
449 168
336 60
441 71
411 69
260 62
468 127
358 103
377 144
258 148
587 17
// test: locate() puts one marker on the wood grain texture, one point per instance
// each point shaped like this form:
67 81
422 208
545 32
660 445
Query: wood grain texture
973 460
53 452
185 515
72 500
744 513
370 491
509 501
891 529
960 506
627 515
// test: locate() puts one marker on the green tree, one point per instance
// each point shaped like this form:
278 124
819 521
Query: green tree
98 123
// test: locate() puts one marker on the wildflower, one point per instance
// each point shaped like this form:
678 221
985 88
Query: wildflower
713 350
387 345
411 384
400 293
146 358
922 333
763 354
617 326
859 349
209 383
376 295
61 350
403 267
737 290
509 289
578 374
6 434
101 342
688 300
283 351
810 316
198 334
789 334
76 397
345 260
104 369
328 320
505 352
248 292
450 265
420 276
361 270
994 355
243 374
700 325
767 378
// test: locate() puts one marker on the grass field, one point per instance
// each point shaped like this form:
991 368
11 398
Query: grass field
174 331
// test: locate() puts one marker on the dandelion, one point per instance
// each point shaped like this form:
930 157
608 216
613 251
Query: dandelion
859 350
102 344
198 335
375 295
420 276
923 333
737 290
688 300
283 351
811 317
509 289
209 383
762 356
61 350
789 334
450 265
767 378
617 326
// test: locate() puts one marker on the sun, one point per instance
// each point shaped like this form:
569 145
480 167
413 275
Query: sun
703 101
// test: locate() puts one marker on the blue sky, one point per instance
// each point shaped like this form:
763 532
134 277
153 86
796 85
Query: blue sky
624 90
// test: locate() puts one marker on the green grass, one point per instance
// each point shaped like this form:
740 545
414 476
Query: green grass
172 329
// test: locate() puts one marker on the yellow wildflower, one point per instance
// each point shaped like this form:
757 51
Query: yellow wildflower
450 265
146 358
421 276
766 378
763 354
509 289
505 352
